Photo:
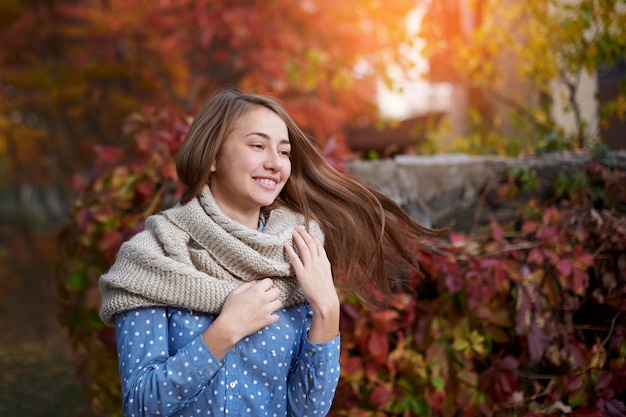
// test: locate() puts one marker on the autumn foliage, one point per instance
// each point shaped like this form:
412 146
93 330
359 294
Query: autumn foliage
523 62
126 186
72 70
521 319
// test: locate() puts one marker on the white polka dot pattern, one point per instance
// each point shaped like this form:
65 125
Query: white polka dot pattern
166 368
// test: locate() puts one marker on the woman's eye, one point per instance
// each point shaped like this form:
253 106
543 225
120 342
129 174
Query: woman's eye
286 153
257 145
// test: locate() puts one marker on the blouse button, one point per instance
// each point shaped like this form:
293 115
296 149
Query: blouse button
233 384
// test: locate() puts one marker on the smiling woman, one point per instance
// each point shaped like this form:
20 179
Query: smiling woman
226 303
253 166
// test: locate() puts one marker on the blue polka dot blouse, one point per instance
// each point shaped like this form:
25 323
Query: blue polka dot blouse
166 368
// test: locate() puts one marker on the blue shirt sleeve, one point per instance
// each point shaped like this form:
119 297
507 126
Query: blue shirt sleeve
314 377
153 381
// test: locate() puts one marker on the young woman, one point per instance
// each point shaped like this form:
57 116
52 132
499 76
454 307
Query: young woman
226 304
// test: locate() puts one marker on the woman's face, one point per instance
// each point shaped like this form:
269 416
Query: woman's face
252 166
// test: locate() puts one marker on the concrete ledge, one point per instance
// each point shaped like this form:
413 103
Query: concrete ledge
459 190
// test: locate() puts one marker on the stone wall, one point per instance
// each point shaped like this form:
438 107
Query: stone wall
460 191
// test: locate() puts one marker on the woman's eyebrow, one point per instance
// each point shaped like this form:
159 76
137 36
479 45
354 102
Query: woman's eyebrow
266 136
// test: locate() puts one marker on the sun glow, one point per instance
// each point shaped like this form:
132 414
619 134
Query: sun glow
410 93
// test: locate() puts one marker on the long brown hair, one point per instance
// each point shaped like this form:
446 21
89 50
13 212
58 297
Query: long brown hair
369 239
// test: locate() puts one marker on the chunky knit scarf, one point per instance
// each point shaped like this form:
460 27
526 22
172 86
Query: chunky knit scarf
192 256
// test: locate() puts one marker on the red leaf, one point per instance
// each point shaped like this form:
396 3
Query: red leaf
565 268
385 320
496 231
549 234
84 218
350 366
573 382
457 239
535 256
581 232
350 311
614 407
93 297
580 281
537 338
508 383
372 369
604 380
110 243
108 154
530 226
168 171
78 183
579 354
378 346
508 363
435 399
587 412
586 259
380 395
552 257
145 189
103 214
499 381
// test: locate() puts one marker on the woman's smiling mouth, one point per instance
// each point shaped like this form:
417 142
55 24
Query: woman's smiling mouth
267 182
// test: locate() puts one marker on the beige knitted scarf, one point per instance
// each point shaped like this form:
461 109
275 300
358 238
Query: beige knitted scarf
192 256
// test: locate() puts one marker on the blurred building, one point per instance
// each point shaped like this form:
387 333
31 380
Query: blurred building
441 90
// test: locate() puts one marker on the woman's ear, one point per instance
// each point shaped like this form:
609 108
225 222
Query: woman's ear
213 168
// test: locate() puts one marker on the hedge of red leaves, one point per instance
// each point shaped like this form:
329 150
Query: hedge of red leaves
526 319
125 187
522 319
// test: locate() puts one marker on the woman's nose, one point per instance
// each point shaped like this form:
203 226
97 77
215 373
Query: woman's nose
274 160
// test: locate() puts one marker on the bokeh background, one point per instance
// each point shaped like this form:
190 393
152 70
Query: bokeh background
86 87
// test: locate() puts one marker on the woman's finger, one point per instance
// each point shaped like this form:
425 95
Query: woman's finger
318 245
306 241
301 244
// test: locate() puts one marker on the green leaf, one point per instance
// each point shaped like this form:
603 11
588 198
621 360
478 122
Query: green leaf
417 406
93 317
438 382
78 281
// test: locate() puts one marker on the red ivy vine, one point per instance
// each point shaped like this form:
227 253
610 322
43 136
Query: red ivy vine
524 319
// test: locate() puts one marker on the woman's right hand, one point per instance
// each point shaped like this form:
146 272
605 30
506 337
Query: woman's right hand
247 309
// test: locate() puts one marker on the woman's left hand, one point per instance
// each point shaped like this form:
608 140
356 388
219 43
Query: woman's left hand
313 271
312 268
